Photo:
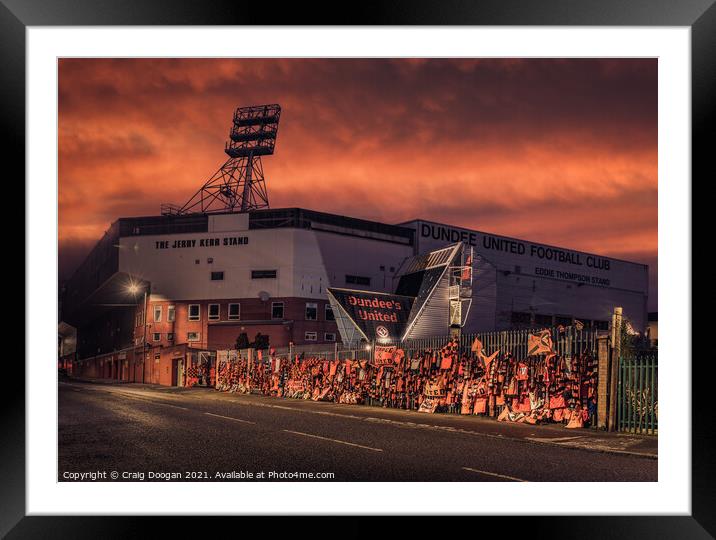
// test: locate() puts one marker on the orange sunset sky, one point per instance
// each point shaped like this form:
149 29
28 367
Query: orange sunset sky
556 151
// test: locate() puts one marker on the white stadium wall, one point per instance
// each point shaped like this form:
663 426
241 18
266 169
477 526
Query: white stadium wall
532 278
306 261
345 255
169 263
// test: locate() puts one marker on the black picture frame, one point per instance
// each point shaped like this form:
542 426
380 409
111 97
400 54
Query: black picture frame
699 15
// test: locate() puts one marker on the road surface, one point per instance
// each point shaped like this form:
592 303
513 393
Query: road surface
155 434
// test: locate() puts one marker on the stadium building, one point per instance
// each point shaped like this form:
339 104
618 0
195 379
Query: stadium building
198 276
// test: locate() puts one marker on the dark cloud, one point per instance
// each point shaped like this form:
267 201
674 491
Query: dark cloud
71 253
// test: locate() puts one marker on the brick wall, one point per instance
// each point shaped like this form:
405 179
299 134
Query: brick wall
255 316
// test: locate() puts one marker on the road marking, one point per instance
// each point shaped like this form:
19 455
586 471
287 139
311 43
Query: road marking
584 443
333 440
495 474
165 404
552 439
153 402
230 418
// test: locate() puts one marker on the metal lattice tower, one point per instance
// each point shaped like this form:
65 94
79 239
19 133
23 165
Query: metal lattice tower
239 184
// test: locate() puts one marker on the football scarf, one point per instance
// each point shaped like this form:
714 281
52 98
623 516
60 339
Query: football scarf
488 359
522 373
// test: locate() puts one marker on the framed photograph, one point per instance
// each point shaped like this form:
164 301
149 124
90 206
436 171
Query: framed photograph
404 263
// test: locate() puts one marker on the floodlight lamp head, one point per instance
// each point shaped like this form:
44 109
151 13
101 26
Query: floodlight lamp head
254 131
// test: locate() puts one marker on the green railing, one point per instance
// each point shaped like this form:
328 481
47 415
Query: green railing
637 393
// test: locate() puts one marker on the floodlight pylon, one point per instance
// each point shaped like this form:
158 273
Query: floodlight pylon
239 185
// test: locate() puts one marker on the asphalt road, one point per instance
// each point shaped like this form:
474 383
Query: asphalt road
205 435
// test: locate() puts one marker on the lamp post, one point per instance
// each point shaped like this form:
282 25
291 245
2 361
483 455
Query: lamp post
133 288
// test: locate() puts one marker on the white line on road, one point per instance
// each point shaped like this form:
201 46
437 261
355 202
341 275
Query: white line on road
333 440
495 474
153 402
552 439
230 418
593 443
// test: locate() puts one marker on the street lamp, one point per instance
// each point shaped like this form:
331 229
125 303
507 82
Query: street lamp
133 288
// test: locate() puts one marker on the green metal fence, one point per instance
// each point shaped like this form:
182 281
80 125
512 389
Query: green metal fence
637 393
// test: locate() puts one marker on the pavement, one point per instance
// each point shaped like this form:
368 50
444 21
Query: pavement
138 428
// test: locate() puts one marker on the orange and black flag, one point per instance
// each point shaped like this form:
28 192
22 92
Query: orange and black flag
540 343
477 347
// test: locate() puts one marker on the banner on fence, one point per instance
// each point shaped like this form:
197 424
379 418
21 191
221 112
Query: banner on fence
540 343
434 389
293 385
428 405
384 355
477 347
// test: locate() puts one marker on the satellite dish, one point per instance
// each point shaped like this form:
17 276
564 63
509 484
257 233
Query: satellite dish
264 296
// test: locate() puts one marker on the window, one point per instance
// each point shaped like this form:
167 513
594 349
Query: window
277 310
196 261
214 312
382 268
156 336
310 336
357 280
139 319
329 336
263 274
601 325
210 260
192 336
520 317
217 276
170 336
392 268
171 313
194 313
157 313
311 311
329 313
234 312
